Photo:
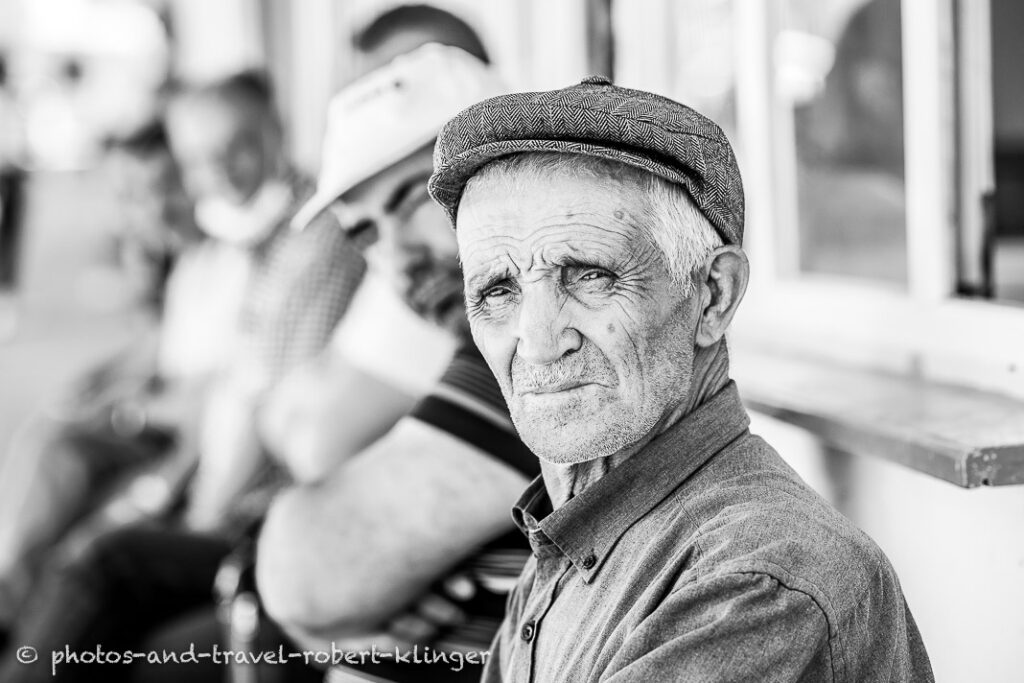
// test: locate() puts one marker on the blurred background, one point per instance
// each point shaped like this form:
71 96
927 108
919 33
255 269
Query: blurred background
882 145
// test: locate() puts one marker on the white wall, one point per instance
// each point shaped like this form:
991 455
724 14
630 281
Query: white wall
216 39
959 553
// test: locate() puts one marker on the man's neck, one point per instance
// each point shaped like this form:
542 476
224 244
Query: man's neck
710 374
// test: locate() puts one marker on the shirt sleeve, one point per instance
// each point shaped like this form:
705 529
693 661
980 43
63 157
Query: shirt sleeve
305 285
735 627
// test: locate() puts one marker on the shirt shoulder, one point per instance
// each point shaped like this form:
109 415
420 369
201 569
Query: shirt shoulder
749 509
734 626
750 513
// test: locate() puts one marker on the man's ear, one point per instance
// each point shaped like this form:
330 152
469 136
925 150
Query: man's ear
726 274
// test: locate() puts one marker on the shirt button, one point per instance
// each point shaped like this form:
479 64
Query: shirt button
589 561
527 631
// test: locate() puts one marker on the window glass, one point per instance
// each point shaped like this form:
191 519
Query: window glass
1007 233
704 73
838 75
683 49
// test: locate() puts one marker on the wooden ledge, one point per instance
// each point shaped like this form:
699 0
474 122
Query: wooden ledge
967 437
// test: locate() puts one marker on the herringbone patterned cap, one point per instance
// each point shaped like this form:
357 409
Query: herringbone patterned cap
599 119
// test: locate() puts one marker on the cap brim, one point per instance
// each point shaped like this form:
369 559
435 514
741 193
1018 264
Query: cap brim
447 183
322 199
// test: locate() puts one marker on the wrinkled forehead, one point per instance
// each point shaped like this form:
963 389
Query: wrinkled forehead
552 214
508 191
526 172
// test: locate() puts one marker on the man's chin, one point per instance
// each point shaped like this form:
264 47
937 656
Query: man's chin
570 442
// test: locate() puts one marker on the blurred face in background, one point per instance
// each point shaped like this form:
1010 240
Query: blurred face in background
224 152
413 245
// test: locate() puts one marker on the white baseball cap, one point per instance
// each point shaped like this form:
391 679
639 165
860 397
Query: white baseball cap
390 113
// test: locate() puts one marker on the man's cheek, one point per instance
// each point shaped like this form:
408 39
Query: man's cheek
613 334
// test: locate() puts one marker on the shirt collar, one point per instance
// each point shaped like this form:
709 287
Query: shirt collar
587 526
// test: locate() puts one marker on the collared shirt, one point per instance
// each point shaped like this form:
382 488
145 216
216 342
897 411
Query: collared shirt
703 557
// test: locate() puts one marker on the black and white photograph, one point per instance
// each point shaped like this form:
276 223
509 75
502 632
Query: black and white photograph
511 341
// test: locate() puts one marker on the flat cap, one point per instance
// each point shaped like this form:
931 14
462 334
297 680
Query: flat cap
599 119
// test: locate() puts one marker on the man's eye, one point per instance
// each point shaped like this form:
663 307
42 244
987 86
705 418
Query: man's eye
591 275
499 292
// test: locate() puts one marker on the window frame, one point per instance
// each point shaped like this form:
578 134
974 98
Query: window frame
925 331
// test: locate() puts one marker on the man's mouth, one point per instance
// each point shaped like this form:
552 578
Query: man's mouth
561 387
578 374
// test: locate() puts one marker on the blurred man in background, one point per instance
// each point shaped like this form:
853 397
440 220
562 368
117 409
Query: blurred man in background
149 198
229 141
279 295
123 415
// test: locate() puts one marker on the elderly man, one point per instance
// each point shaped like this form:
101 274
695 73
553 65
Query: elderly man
599 230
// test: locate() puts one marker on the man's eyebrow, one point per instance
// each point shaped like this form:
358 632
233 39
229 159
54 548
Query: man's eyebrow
405 190
487 277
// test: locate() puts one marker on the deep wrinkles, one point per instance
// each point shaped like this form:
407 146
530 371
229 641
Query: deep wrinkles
528 246
587 365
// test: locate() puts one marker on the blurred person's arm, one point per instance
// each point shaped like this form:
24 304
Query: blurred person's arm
382 359
318 417
342 558
125 374
230 455
293 304
55 466
325 412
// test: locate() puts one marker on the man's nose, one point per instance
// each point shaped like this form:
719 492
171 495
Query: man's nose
544 330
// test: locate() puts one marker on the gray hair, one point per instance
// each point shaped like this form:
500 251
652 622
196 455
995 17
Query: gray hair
669 218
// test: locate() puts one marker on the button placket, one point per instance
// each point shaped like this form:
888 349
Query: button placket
550 572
